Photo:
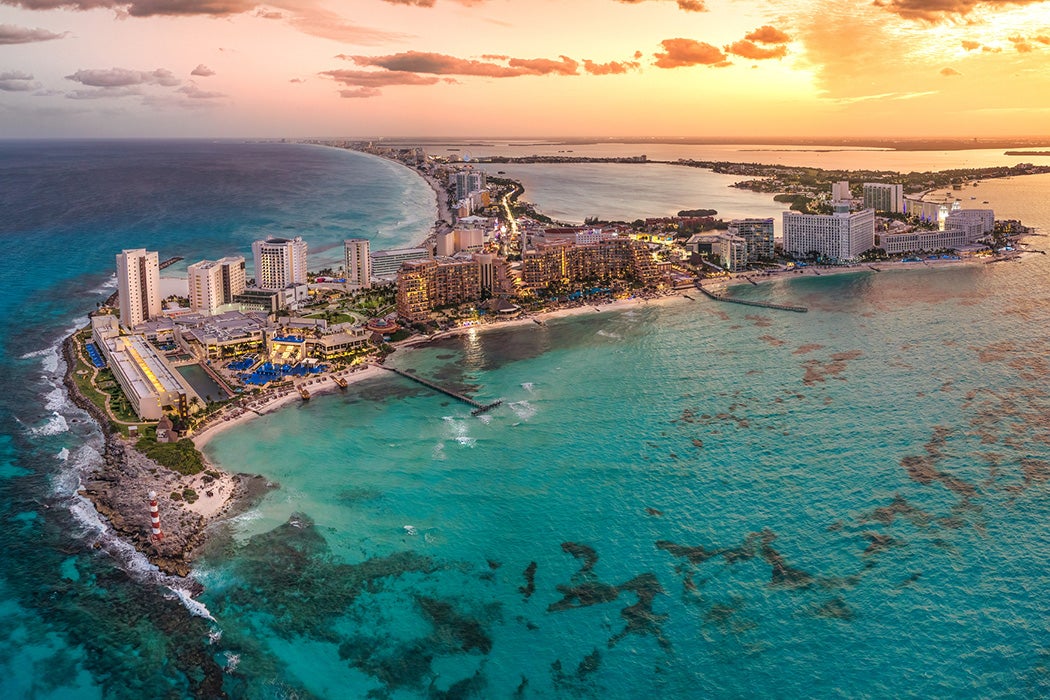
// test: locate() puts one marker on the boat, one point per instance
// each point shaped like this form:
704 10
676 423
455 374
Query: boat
984 202
973 197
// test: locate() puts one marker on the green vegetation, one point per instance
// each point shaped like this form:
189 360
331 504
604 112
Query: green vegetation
189 495
181 457
799 202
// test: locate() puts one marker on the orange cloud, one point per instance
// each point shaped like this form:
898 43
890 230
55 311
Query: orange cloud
971 45
948 72
749 49
768 35
373 80
443 64
939 10
687 5
610 68
679 53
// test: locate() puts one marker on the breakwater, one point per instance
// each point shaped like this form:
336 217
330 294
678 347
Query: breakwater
479 407
748 302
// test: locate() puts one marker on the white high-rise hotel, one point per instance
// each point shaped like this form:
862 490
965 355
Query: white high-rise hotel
279 262
840 236
884 197
215 282
358 264
138 286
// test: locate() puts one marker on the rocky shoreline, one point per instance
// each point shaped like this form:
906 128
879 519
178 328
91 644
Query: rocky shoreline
119 485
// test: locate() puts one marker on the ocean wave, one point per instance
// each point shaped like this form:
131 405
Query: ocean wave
63 455
92 527
107 286
523 409
609 334
56 424
528 386
55 399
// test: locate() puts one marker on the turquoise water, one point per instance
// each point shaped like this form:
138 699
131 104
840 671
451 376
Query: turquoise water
572 192
83 616
863 518
718 500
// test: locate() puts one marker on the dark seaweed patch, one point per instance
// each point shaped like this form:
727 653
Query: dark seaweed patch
530 581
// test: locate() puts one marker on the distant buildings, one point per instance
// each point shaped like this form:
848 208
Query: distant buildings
930 211
884 197
732 251
214 283
279 262
976 221
840 191
138 286
358 263
759 236
962 228
839 236
469 182
386 263
460 239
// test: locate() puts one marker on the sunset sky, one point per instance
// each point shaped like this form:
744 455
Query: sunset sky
663 68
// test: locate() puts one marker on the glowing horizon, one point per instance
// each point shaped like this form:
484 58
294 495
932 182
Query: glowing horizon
635 69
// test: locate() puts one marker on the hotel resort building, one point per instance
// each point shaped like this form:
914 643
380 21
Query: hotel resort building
138 286
215 283
386 263
149 382
279 262
357 263
567 264
838 236
425 285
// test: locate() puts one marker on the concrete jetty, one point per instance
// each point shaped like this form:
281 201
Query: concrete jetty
748 302
479 408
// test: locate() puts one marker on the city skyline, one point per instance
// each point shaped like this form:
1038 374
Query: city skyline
456 68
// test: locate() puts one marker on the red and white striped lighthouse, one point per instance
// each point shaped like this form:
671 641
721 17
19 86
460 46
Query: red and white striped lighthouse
154 517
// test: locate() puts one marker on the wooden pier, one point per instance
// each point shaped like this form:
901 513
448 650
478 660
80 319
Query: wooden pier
479 408
747 302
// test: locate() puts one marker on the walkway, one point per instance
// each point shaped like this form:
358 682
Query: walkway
746 302
479 408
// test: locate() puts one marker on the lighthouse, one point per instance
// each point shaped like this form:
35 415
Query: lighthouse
154 517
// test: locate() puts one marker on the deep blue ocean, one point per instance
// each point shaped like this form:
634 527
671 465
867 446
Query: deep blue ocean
678 500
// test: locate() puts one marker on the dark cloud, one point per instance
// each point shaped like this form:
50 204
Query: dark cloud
11 34
971 45
610 68
679 53
428 3
434 64
296 80
749 49
948 72
123 77
304 15
939 10
17 81
202 71
443 64
378 79
768 35
143 8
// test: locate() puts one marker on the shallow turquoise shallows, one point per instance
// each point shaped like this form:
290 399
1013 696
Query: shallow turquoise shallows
679 500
